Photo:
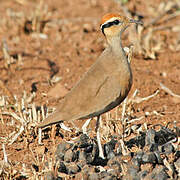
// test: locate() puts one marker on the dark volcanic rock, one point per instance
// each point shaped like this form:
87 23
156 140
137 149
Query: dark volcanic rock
158 173
115 163
164 135
50 176
84 141
137 159
109 178
68 156
150 137
149 157
177 165
167 148
143 174
93 176
61 150
73 168
132 173
62 167
158 157
82 156
147 152
109 149
138 141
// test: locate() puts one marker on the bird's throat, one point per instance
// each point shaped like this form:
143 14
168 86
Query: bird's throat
116 45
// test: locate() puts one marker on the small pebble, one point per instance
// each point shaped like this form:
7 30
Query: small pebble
68 156
82 156
108 149
177 165
158 156
93 176
61 149
137 159
143 174
115 163
149 158
158 173
167 148
49 176
62 168
72 168
132 173
150 137
109 178
81 160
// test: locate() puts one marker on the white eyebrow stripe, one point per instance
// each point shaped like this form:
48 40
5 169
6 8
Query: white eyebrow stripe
110 20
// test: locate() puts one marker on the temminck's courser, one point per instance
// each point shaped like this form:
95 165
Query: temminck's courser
105 85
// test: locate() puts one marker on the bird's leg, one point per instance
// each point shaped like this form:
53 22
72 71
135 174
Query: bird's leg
77 130
39 136
122 118
99 138
53 133
62 125
84 127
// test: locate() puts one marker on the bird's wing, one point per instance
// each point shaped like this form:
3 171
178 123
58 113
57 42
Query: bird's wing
95 95
99 87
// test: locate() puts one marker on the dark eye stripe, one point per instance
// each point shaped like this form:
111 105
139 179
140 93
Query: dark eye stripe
116 22
109 24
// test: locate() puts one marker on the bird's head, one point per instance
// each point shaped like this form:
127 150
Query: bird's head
114 24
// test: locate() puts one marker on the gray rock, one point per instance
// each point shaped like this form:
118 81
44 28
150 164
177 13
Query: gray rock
143 174
115 163
167 148
132 174
177 165
82 156
158 173
137 159
108 149
158 157
133 171
49 176
149 157
84 141
61 149
109 178
72 168
62 168
103 174
81 164
150 137
68 156
93 176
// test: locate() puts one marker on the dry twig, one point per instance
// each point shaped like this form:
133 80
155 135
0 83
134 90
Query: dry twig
168 91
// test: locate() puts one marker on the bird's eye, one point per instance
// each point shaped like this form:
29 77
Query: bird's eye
116 22
109 24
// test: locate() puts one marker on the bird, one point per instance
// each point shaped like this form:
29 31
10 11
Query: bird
107 82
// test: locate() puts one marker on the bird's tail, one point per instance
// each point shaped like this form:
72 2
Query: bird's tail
50 120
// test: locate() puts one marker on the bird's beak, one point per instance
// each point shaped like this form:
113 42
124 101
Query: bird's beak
136 21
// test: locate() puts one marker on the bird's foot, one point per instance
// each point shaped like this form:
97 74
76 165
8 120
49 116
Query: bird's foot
62 125
84 127
101 154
